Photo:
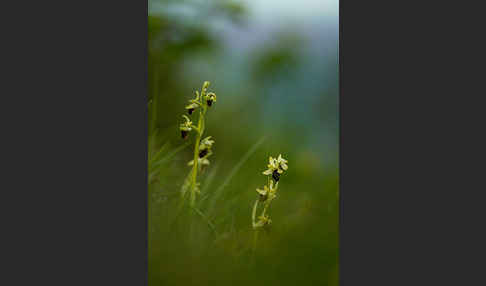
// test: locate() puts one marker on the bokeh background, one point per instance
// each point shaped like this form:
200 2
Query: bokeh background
274 67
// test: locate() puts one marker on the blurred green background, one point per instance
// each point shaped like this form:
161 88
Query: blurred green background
274 68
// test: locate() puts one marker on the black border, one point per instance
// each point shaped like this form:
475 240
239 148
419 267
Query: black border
409 122
76 145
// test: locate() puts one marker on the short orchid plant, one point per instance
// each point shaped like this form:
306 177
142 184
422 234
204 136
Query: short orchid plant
276 167
202 147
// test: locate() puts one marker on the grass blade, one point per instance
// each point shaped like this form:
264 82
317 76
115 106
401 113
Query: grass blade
236 168
207 183
171 154
206 219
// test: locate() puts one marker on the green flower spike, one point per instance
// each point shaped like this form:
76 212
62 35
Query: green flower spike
276 166
202 147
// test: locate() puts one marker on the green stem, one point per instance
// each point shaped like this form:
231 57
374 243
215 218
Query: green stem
200 128
254 213
265 208
194 167
255 239
266 204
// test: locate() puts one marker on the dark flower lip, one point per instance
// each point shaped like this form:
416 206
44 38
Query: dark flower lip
190 110
203 153
183 134
276 175
263 198
210 102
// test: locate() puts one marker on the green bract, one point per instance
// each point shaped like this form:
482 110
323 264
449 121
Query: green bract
268 192
263 220
186 126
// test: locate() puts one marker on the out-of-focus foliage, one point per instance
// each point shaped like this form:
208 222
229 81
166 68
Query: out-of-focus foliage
277 60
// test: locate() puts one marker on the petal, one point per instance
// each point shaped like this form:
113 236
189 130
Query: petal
263 192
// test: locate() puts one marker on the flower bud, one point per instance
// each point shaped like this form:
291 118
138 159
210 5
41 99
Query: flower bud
204 88
205 84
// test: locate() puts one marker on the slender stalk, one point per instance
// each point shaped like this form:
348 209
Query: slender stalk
255 232
255 240
254 213
265 208
265 205
200 128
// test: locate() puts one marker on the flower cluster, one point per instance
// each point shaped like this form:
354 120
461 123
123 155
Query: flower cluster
276 167
201 100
